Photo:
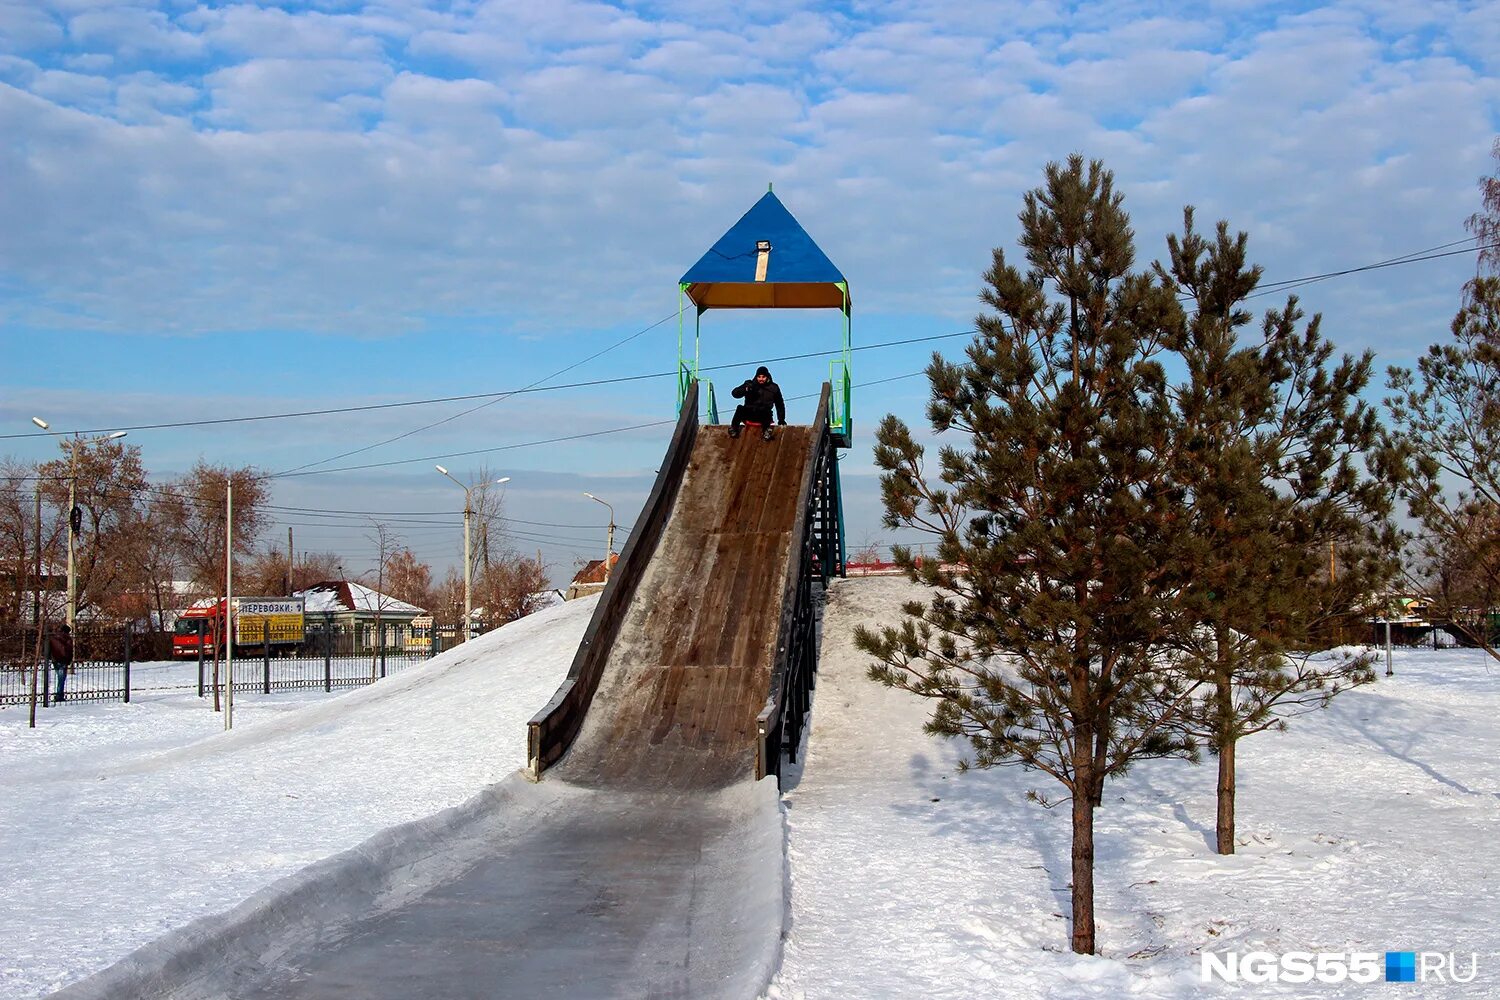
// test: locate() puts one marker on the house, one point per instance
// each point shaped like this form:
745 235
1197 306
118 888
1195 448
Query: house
591 579
348 607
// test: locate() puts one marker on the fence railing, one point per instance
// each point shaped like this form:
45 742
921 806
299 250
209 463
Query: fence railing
109 663
816 555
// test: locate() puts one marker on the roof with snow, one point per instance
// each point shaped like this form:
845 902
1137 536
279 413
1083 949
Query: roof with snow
335 596
789 272
593 570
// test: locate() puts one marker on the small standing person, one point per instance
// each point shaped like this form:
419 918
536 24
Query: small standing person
60 652
760 394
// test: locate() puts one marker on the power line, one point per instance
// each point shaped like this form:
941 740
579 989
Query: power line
490 402
579 436
493 396
1413 258
1266 288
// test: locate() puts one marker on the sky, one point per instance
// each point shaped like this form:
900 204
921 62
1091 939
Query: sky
222 210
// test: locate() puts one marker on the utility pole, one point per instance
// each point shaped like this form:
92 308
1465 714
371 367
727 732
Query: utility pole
36 584
36 600
468 560
229 604
609 544
468 568
289 560
73 525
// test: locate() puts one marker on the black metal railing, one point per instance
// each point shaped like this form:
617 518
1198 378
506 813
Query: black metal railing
815 557
111 662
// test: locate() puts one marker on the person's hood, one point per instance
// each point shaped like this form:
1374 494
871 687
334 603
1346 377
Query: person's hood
763 370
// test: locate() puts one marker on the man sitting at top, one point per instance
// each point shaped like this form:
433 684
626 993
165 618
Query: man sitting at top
759 394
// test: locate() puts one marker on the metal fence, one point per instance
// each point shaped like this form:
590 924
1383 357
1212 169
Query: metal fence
109 663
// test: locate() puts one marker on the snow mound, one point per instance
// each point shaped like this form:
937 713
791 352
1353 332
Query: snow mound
124 822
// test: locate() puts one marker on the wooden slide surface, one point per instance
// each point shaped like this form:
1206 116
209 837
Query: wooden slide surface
690 670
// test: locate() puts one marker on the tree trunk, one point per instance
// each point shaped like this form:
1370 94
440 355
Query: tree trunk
1083 865
1225 825
1226 726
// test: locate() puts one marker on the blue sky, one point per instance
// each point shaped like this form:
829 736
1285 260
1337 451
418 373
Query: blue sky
223 209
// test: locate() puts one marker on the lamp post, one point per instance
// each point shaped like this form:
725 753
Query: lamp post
609 545
468 562
73 509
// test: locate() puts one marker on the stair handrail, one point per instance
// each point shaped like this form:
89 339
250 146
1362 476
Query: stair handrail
785 673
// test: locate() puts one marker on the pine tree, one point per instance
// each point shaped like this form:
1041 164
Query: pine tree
1055 525
1266 456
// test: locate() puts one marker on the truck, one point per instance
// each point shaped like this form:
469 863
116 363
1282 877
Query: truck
279 623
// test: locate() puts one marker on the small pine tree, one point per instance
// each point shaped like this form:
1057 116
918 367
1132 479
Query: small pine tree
1269 435
1058 516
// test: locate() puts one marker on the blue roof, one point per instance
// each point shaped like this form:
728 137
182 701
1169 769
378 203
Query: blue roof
797 273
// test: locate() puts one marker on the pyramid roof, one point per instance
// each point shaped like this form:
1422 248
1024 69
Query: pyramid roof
795 274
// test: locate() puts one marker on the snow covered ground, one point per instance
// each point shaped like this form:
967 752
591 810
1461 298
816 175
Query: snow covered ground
120 822
1367 827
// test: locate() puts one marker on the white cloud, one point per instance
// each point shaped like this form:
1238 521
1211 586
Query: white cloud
268 32
303 94
25 26
134 33
76 90
379 169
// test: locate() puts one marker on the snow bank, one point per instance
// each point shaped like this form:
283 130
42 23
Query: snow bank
124 822
1364 827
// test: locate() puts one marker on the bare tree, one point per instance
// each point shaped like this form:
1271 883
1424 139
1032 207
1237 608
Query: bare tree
447 601
110 490
868 550
409 579
268 572
193 508
1445 418
387 544
153 561
487 500
512 587
194 512
315 567
1485 223
18 541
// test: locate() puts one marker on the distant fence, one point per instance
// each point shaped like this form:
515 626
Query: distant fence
107 660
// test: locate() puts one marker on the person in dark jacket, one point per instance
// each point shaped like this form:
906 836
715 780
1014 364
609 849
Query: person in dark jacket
760 394
60 652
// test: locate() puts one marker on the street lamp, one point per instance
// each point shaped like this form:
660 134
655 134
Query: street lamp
73 508
609 545
468 562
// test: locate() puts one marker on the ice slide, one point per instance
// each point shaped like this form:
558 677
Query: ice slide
647 861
